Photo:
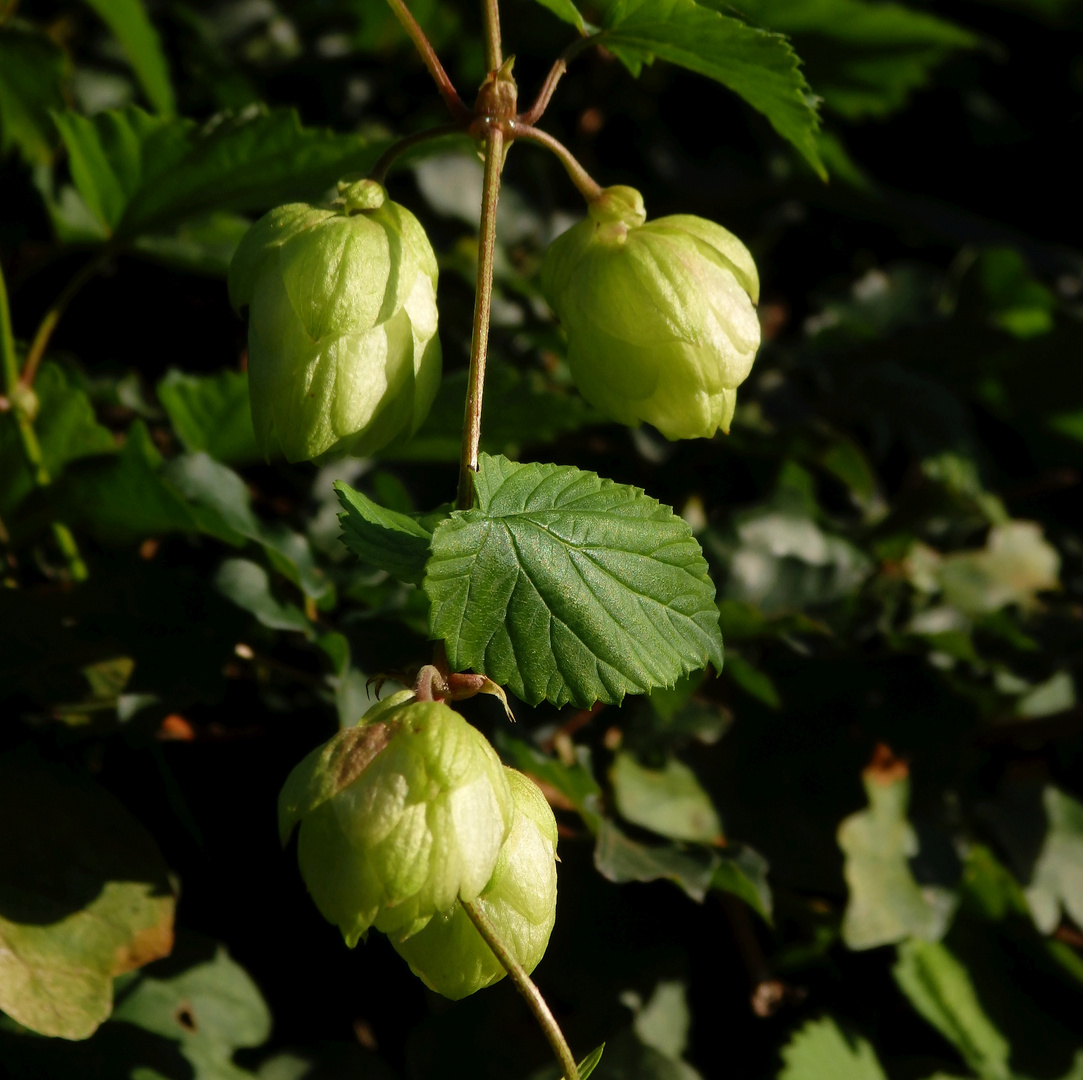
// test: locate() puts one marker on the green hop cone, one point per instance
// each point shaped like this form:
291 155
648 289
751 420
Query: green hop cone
343 355
659 315
399 817
520 901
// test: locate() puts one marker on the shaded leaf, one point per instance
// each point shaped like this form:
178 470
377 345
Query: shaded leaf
32 68
669 801
565 10
520 409
752 680
573 786
84 896
570 588
67 430
248 585
759 66
210 413
821 1051
128 20
141 174
619 858
386 539
200 245
885 903
864 58
940 988
743 873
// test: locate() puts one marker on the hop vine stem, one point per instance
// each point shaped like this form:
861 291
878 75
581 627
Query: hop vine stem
483 299
525 985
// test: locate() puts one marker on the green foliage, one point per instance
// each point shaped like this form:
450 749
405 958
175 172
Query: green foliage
760 67
85 897
32 70
888 540
820 1050
140 174
128 20
610 578
886 904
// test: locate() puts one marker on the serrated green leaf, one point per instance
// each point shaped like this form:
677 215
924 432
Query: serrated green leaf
128 20
32 68
886 904
211 413
759 66
820 1051
86 897
386 539
669 801
619 858
140 174
941 990
863 58
569 588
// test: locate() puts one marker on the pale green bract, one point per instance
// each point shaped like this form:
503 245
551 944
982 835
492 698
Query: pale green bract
520 900
659 315
343 355
399 817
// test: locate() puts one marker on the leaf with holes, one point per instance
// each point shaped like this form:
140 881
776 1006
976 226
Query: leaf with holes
570 588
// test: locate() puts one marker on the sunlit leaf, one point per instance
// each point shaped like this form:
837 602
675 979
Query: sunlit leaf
940 988
886 904
386 539
821 1051
669 801
1057 881
84 896
570 588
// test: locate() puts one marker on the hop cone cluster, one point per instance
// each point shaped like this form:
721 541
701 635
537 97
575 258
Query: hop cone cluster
659 315
343 355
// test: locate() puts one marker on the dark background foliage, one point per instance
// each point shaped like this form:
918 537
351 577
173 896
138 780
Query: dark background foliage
919 384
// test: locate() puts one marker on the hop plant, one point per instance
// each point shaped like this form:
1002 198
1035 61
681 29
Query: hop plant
343 355
520 901
399 817
659 315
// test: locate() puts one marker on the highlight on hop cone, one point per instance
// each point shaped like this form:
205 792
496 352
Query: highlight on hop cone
659 315
520 900
343 355
399 817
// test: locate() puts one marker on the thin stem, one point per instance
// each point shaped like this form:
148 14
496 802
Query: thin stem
523 983
588 188
483 298
17 402
556 73
380 169
36 352
432 62
493 54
